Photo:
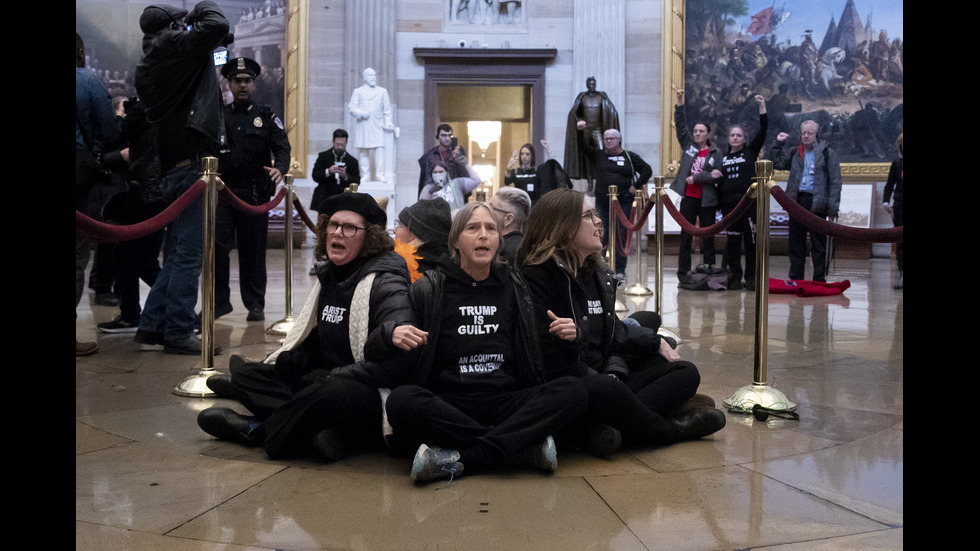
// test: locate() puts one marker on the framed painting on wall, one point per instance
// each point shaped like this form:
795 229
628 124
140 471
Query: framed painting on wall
839 63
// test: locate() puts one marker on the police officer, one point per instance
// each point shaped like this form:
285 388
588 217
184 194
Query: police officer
256 159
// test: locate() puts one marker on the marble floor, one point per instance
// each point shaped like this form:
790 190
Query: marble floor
147 478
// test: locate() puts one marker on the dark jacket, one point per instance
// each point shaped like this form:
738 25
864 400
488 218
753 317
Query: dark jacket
553 288
178 84
328 185
709 195
426 296
255 134
389 307
826 175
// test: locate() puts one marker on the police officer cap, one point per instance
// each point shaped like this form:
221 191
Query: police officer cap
241 67
361 203
156 18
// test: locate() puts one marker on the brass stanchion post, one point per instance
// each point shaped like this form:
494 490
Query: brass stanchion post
195 386
759 392
638 288
611 242
658 301
283 326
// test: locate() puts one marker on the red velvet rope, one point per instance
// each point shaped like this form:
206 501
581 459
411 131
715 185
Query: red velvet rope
302 214
826 227
111 232
797 212
101 231
227 195
741 209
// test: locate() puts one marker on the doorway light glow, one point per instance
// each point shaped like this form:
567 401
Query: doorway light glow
483 133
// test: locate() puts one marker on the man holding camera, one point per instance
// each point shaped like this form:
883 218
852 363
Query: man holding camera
178 85
252 167
334 170
447 151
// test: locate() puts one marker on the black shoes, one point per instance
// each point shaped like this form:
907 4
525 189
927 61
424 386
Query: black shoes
118 325
750 284
698 423
220 384
226 424
331 444
149 340
255 315
190 346
592 437
106 299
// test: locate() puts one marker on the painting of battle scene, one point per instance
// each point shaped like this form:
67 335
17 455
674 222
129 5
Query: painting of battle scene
839 62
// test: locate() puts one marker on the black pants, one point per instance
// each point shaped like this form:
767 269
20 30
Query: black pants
739 233
614 403
262 389
797 245
251 234
333 402
692 210
135 260
487 428
899 218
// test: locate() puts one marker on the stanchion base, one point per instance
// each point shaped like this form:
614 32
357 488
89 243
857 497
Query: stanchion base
744 398
196 386
638 291
668 333
282 326
620 307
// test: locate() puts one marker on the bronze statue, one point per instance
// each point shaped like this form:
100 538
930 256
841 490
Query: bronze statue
594 112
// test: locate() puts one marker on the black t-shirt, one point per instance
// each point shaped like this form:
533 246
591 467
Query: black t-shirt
476 349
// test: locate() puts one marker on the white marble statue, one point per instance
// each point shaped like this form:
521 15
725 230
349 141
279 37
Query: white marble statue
371 109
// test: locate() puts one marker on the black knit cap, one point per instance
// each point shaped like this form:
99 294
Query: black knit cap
429 220
158 17
361 203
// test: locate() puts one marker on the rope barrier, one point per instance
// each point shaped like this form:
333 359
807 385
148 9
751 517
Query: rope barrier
797 212
102 231
832 229
302 214
111 232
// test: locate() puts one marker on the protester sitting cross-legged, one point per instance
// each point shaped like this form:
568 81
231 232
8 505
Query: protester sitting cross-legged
479 397
320 390
638 386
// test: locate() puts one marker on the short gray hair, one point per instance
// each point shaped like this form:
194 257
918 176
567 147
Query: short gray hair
519 200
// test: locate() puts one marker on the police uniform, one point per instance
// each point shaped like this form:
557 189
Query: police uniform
256 139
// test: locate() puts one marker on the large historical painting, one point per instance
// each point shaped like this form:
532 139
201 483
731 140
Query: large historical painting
838 62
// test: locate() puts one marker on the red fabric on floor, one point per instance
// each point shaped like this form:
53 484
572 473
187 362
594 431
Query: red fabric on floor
804 288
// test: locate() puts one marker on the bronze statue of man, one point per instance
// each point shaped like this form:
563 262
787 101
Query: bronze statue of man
595 112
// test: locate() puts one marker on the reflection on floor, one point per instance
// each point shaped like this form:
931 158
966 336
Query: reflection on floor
147 478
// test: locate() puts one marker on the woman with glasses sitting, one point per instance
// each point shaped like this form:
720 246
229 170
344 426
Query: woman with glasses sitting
323 389
640 391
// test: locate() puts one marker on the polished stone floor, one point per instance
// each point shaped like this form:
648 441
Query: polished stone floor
147 478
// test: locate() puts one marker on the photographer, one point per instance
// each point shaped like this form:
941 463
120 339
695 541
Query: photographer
178 85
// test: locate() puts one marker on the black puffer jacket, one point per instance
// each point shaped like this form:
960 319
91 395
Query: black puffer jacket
177 82
383 364
426 296
553 288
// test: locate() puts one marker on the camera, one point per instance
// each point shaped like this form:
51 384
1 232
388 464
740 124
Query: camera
453 143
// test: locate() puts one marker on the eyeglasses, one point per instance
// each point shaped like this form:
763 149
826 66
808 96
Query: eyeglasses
593 214
347 230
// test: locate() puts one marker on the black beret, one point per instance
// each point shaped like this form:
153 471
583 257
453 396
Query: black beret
156 18
361 203
240 67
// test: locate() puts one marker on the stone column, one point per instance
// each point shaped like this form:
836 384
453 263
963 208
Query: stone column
599 49
370 36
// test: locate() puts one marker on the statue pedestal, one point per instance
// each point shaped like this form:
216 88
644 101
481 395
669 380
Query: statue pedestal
382 189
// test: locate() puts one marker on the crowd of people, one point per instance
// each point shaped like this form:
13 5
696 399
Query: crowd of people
482 334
